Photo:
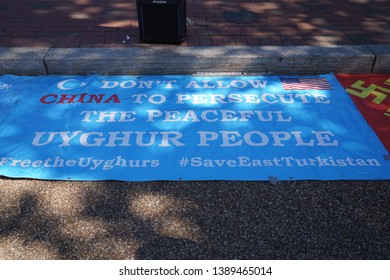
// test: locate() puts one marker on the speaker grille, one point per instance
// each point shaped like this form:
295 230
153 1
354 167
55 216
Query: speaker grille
162 22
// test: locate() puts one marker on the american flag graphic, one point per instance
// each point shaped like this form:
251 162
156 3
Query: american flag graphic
305 83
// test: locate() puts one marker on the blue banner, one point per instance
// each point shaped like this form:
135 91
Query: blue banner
141 128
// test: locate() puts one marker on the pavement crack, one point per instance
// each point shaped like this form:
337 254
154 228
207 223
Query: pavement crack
374 61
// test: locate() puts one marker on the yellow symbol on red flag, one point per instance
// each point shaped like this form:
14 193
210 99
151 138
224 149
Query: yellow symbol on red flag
370 90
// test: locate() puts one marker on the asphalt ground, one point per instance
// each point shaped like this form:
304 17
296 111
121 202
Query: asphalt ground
203 219
194 220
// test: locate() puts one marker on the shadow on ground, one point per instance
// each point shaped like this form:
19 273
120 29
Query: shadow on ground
194 220
97 23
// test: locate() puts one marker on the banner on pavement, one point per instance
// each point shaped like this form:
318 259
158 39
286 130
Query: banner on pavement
140 128
371 94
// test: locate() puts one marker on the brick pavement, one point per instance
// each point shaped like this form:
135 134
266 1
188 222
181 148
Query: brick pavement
98 23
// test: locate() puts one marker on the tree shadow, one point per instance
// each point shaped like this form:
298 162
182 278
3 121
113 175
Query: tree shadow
97 23
190 220
168 248
194 220
32 228
347 22
163 227
76 23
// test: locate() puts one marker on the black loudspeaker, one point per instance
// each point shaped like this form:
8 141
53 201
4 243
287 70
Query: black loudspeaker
162 21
